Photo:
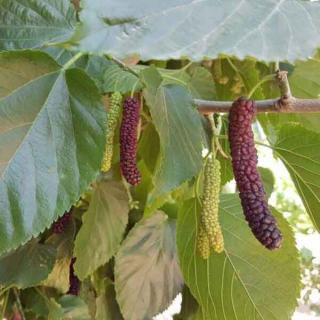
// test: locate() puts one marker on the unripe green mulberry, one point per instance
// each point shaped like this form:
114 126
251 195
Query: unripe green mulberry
210 204
113 116
203 243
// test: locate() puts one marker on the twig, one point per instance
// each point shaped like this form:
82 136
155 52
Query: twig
286 103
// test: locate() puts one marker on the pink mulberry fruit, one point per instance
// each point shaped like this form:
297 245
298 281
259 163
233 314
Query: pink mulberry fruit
60 225
74 282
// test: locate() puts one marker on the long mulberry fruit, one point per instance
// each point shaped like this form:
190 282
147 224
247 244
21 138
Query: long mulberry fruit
244 162
210 204
128 141
74 282
113 116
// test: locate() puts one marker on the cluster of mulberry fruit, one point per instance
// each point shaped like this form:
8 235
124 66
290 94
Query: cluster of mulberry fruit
210 233
244 162
113 116
128 141
61 224
74 282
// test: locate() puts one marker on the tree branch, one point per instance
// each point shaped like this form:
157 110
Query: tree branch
286 103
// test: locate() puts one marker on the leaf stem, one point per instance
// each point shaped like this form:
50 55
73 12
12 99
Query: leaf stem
18 301
123 65
5 303
69 63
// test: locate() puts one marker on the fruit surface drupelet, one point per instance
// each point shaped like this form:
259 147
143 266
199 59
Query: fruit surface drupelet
113 116
128 141
244 163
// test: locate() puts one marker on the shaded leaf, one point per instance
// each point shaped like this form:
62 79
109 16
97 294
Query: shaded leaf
181 135
51 143
68 308
28 265
103 226
107 307
32 24
59 276
246 281
189 306
147 275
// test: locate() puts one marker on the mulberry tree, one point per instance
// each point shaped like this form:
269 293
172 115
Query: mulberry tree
145 148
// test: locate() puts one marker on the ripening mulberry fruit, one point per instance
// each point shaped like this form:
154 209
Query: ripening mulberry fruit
74 282
128 141
244 162
113 116
61 224
210 204
203 243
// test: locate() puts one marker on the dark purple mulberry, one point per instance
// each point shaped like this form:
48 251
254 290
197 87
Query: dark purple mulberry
128 141
244 162
60 225
74 282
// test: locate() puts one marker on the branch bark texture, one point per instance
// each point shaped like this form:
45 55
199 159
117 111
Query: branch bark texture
286 103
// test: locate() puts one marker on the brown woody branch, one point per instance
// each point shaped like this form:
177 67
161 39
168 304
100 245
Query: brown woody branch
286 103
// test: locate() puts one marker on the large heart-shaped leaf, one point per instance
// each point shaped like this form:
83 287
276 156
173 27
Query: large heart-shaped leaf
28 265
246 281
171 29
51 143
34 23
103 226
299 149
147 275
180 130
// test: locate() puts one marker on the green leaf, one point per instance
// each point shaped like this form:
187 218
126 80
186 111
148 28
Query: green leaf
196 79
181 134
118 79
110 77
268 180
107 307
28 265
32 24
165 30
246 281
304 83
59 276
226 166
201 84
62 56
299 149
234 78
103 226
147 275
68 308
51 142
